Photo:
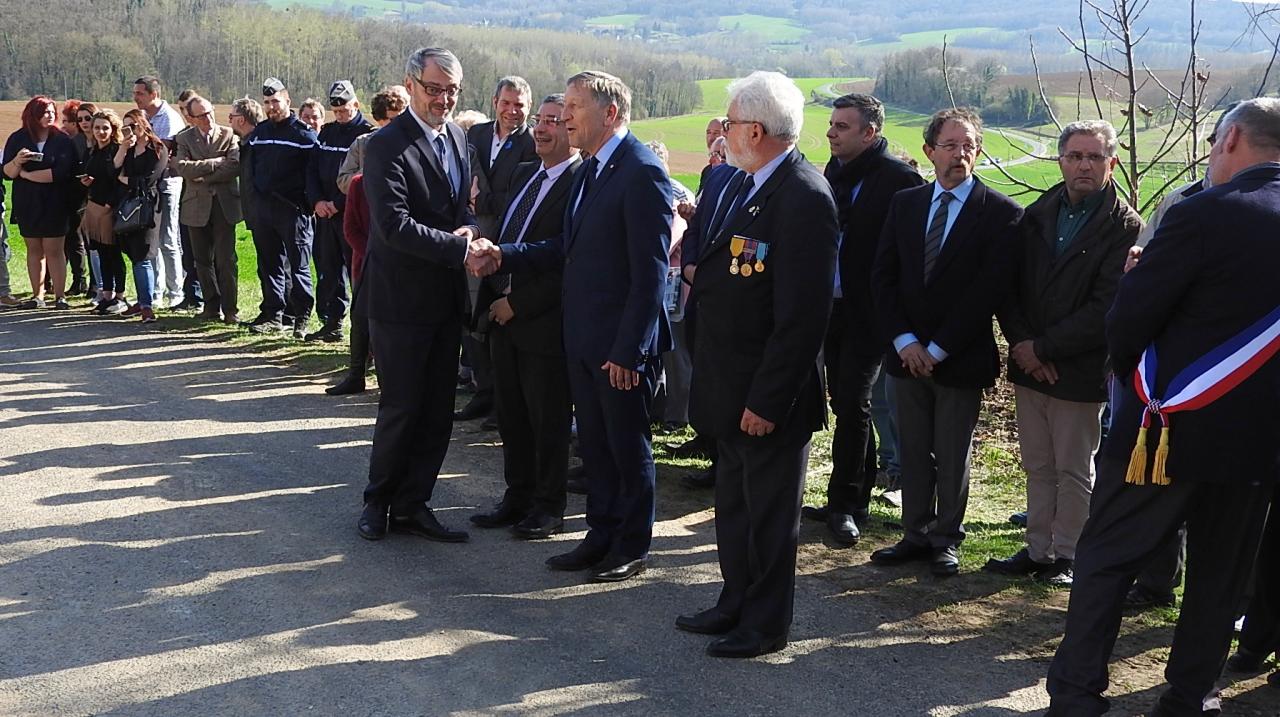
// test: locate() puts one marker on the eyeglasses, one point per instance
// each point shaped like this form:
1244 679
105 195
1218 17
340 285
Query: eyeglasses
233 115
1078 157
206 114
726 123
435 90
953 147
547 119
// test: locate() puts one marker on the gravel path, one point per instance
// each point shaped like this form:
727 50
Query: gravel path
179 538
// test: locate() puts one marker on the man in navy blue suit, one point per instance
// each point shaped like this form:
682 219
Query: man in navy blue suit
614 255
1192 337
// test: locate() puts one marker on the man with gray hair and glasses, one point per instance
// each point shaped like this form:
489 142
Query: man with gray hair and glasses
762 280
417 179
1071 254
1192 337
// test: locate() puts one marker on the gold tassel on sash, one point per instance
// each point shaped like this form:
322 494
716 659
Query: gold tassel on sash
1158 474
1137 473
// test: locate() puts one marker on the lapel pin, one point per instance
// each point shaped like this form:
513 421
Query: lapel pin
753 209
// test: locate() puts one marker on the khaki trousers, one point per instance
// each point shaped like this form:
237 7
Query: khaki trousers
1058 440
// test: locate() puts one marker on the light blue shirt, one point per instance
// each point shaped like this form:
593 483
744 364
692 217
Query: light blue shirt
762 175
450 161
960 194
603 157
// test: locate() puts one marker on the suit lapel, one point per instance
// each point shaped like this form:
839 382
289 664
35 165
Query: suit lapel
485 150
745 214
424 146
557 192
507 152
606 173
961 230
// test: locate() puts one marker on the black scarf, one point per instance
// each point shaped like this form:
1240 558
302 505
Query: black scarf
844 177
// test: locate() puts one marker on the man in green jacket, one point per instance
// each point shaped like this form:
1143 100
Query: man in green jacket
1073 247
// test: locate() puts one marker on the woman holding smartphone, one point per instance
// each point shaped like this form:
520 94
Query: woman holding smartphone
100 172
39 160
142 157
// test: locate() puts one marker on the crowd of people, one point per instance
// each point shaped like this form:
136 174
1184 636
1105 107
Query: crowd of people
552 249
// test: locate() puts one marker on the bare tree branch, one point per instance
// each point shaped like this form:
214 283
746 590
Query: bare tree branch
1044 97
946 78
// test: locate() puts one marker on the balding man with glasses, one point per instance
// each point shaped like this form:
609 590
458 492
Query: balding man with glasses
943 267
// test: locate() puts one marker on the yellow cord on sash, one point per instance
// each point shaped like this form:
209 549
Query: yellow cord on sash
1137 473
1158 474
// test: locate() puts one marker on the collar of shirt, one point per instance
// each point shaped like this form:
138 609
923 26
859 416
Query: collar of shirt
610 146
553 173
762 175
496 146
960 193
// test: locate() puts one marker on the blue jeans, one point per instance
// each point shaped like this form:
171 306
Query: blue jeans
143 281
4 255
886 431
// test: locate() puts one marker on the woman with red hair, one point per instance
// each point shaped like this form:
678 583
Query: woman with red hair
39 160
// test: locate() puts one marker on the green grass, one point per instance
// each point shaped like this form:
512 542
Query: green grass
775 30
930 38
687 133
623 20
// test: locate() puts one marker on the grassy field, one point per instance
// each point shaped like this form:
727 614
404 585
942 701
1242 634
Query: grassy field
775 30
929 38
685 135
624 20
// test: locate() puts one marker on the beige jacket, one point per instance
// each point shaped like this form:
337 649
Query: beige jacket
209 169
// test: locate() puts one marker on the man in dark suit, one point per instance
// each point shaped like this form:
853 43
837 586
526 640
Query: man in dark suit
1184 316
531 383
864 176
416 178
614 254
944 266
497 148
762 284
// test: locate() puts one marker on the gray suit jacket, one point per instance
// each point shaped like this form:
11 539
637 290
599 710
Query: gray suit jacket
208 169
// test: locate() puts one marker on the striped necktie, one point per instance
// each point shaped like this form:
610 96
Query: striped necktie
933 237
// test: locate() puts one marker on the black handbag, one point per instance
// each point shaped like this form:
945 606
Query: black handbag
136 212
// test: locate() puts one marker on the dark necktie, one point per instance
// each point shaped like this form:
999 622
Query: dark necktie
444 162
588 178
933 237
522 211
728 208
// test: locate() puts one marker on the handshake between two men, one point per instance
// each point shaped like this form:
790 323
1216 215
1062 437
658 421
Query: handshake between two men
483 257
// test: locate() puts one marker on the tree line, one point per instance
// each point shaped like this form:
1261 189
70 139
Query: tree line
223 49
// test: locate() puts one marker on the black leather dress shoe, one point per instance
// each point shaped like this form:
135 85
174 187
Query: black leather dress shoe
901 552
844 530
1019 519
745 643
580 558
423 523
373 521
1020 563
351 383
503 514
707 622
945 562
695 447
617 570
1140 598
701 480
538 526
473 410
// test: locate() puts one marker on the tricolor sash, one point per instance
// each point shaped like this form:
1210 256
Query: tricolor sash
1204 381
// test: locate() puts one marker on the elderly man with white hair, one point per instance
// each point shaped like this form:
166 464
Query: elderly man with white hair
762 281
